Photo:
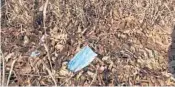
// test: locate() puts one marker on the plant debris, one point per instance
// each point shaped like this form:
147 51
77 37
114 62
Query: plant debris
133 40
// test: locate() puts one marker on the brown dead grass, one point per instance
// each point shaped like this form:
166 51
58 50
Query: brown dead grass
134 36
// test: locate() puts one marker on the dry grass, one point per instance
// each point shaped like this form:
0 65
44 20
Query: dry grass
131 37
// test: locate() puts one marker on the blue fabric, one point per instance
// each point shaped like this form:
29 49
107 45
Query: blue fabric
82 59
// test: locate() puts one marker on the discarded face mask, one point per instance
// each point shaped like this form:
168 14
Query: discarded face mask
82 59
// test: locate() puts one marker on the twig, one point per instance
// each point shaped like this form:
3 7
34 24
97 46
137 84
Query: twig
48 55
50 73
44 26
171 13
33 75
3 67
2 56
8 80
94 77
44 15
67 79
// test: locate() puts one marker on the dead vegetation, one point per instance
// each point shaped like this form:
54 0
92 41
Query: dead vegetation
131 37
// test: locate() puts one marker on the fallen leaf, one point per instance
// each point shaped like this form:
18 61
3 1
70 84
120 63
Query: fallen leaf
63 71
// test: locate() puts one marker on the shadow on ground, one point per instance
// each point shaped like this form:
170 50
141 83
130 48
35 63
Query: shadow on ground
171 53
